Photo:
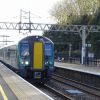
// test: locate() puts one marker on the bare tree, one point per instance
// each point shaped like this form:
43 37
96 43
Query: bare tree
68 11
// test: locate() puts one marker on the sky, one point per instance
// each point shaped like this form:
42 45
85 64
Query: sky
10 12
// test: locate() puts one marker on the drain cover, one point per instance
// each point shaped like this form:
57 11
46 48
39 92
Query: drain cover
74 92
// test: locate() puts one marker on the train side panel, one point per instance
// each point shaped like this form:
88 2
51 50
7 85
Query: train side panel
9 55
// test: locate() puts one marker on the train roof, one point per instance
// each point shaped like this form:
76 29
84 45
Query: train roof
13 47
41 38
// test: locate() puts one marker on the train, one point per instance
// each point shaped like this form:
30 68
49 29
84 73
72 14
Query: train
33 57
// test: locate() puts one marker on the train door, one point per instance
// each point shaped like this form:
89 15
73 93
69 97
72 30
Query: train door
38 56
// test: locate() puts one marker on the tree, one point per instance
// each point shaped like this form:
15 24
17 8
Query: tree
82 12
87 7
74 11
62 41
64 11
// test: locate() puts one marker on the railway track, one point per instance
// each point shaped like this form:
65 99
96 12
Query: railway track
90 90
52 92
47 89
58 93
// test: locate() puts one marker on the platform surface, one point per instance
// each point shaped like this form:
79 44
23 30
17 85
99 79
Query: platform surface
82 68
13 87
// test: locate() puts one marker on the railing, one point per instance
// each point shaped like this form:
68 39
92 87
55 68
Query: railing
88 62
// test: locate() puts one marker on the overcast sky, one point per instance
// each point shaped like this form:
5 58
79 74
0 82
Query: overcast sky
11 8
10 11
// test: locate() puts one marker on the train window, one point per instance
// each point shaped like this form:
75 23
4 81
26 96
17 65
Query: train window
24 50
48 50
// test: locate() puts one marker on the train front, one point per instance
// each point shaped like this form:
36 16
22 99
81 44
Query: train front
36 58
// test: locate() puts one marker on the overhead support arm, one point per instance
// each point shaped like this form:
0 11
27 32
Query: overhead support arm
47 27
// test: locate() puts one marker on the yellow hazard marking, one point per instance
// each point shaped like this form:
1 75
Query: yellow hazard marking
38 55
3 93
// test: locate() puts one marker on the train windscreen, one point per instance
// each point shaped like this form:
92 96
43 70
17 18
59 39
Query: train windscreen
48 50
24 50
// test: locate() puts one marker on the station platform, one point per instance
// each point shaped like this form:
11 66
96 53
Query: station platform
13 87
81 68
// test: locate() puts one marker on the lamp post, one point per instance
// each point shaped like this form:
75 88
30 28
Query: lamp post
70 49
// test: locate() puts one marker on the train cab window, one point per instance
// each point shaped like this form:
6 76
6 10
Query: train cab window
48 50
24 50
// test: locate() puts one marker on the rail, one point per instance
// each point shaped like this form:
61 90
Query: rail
83 87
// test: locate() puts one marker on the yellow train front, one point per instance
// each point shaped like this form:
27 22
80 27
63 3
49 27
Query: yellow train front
36 58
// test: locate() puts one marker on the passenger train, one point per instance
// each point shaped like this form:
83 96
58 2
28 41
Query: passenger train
33 56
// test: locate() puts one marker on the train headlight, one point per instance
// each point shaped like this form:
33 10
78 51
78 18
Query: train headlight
22 62
50 62
46 63
26 62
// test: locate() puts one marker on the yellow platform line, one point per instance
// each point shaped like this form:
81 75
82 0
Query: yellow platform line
3 93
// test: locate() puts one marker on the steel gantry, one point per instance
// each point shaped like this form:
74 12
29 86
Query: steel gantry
82 30
50 27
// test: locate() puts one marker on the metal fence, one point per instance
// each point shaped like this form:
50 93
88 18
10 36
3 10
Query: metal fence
92 62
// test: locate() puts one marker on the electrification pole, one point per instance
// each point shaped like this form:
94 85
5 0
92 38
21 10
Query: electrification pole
4 39
29 22
28 16
83 34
